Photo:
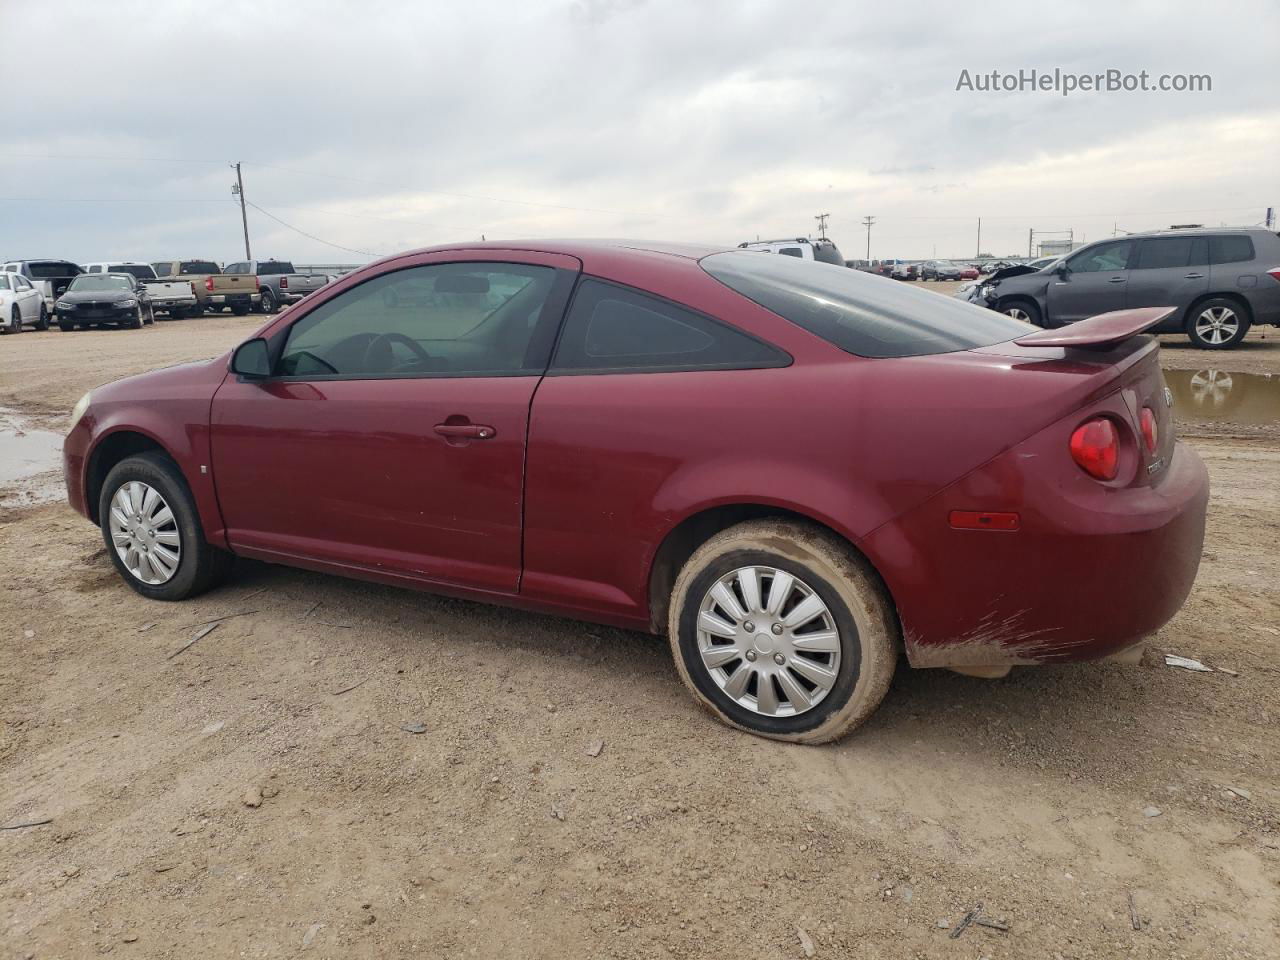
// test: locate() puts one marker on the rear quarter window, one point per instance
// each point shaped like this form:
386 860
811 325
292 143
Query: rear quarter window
1232 248
862 314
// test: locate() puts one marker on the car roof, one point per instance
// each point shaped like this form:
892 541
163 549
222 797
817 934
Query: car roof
586 248
1195 232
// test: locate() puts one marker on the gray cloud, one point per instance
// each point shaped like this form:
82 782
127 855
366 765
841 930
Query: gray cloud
380 125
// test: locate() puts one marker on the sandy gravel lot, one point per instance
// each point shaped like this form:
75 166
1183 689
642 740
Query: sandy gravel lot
256 795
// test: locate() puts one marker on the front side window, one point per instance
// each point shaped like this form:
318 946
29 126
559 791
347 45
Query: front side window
612 328
4 282
1231 249
1103 258
21 282
448 319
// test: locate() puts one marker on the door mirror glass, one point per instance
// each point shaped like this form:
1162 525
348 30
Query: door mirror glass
252 359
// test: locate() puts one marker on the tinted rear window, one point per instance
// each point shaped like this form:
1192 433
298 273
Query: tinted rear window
1230 249
198 266
52 269
271 268
862 314
828 253
139 270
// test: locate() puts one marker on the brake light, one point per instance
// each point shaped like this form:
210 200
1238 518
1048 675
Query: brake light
256 284
208 283
1095 446
284 283
1150 433
1274 274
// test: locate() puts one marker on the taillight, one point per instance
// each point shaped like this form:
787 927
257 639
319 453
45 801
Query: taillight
1150 433
1274 274
208 283
284 283
256 284
1095 446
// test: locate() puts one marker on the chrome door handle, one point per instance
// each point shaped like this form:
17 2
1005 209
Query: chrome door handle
1116 280
1193 276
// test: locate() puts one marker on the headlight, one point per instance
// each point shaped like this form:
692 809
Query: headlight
78 410
62 306
127 303
988 292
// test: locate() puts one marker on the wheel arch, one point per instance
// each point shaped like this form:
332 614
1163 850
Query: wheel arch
680 542
1242 302
110 450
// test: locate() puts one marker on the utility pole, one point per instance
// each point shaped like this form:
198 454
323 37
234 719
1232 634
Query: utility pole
979 250
1031 239
867 222
238 190
822 224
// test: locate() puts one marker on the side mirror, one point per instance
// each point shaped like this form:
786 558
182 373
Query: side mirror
252 360
1062 270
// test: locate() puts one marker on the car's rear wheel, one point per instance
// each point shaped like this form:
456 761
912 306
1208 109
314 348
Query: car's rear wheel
152 530
268 302
1217 324
779 628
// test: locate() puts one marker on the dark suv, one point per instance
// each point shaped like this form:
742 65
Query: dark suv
1222 281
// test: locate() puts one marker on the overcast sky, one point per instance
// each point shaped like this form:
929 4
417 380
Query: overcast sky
380 126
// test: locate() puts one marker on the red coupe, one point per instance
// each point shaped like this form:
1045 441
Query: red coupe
794 470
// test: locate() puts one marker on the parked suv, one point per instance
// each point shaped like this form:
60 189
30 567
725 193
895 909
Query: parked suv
1221 281
824 251
278 283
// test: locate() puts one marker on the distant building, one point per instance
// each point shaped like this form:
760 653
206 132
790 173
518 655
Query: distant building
1056 248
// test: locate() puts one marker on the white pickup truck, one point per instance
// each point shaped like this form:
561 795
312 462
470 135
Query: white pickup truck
177 298
50 277
278 283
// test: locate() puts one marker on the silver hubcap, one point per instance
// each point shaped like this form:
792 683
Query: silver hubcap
144 532
768 641
1217 325
1018 314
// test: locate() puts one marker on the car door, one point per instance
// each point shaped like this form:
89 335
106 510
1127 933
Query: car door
1168 272
28 298
1092 283
391 434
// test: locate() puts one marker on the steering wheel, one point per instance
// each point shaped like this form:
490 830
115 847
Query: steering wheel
378 354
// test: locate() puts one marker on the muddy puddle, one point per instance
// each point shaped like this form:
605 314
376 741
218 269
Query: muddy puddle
30 462
1251 398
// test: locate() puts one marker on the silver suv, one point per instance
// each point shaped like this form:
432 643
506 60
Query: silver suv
1222 281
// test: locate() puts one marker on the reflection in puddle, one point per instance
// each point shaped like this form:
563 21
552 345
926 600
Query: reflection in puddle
1219 395
25 454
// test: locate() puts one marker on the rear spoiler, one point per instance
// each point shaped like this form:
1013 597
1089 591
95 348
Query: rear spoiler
1101 331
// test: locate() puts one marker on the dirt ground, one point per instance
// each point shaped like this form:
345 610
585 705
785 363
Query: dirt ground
258 795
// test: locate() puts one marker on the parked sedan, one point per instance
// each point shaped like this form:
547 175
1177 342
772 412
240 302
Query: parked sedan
99 299
21 304
794 471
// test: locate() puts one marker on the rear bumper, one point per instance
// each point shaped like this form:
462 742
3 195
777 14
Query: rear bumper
1091 572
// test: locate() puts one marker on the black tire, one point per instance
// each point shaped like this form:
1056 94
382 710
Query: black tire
1025 310
150 318
241 309
66 326
136 322
42 322
862 613
1218 323
200 566
268 302
15 321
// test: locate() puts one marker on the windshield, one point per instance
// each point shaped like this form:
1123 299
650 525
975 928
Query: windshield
140 270
52 269
860 313
198 266
99 282
271 268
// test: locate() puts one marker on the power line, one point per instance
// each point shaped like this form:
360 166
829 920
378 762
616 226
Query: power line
311 236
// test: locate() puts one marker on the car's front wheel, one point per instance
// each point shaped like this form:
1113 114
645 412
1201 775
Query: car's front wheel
42 321
1217 324
152 530
779 628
